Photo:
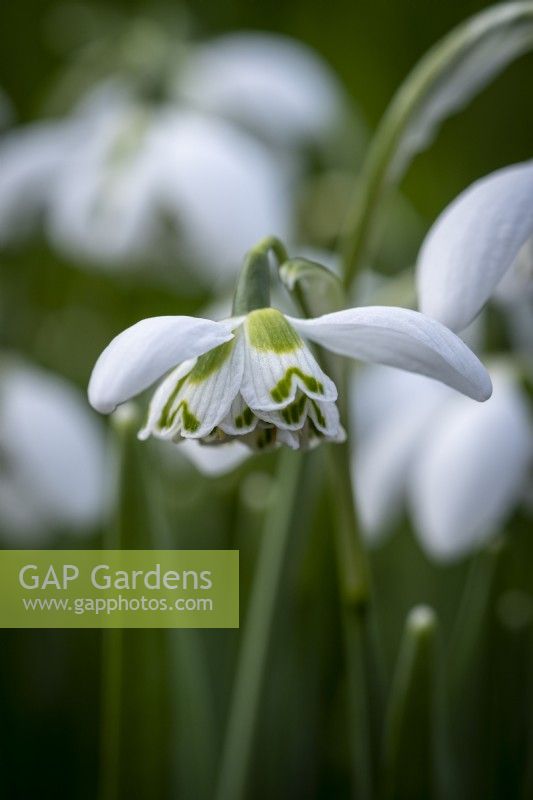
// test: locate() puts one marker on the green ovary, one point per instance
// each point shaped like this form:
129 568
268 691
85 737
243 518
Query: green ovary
282 389
269 331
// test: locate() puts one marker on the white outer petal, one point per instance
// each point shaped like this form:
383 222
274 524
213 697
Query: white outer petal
400 337
472 471
142 353
275 85
473 243
54 453
408 406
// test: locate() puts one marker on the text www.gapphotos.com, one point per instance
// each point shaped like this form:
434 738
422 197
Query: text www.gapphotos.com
111 605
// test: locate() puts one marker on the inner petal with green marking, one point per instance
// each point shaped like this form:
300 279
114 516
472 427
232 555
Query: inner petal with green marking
282 389
194 403
269 331
205 367
279 364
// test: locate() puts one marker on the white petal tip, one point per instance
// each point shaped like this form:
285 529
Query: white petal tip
101 405
98 397
483 390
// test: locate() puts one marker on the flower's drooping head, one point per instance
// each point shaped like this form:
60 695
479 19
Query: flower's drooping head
263 387
252 377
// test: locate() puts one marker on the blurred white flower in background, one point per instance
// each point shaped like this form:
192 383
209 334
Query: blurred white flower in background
460 467
51 456
271 84
214 461
196 169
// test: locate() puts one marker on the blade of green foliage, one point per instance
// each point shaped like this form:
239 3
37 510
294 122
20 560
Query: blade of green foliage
443 82
409 765
134 701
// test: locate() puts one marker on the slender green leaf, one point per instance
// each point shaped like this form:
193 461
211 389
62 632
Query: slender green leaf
443 82
135 662
410 768
257 633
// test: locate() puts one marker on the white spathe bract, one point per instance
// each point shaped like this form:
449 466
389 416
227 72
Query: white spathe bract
51 455
259 383
118 182
459 466
272 84
474 243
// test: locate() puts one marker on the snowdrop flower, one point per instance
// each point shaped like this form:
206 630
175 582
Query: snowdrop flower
479 246
461 467
51 456
202 169
271 84
252 377
117 181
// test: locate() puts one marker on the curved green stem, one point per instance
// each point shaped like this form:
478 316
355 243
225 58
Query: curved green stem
245 702
361 652
253 287
353 561
379 170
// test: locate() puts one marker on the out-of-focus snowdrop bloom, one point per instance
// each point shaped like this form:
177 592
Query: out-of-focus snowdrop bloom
51 456
30 159
273 85
117 181
134 176
214 461
460 467
478 247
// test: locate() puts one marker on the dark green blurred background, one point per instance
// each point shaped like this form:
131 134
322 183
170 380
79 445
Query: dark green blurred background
371 45
50 680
